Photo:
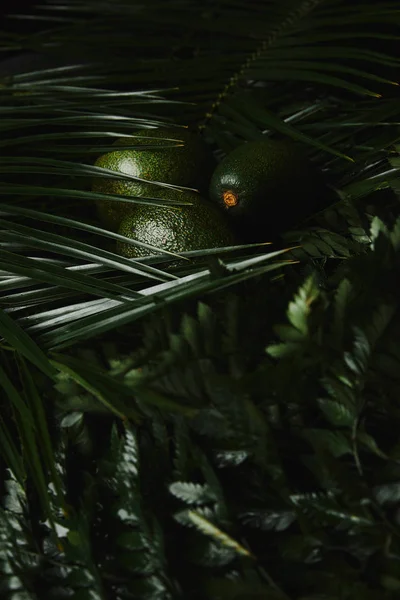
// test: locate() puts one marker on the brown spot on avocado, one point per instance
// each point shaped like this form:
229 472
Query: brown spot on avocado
230 198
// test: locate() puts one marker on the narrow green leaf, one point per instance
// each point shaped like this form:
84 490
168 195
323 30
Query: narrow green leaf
265 118
55 275
21 342
336 413
215 533
83 379
335 443
46 446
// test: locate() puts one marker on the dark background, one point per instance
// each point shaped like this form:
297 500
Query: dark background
16 7
13 6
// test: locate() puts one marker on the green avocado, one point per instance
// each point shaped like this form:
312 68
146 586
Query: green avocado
266 186
177 229
187 165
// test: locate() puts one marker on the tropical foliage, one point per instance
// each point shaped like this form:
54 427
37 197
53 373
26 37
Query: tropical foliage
218 428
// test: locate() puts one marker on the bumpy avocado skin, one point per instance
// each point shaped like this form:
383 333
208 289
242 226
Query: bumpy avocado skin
275 185
176 229
188 165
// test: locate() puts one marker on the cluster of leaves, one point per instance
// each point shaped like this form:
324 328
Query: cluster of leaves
270 476
227 427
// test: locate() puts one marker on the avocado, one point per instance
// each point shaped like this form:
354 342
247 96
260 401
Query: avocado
188 165
176 229
266 186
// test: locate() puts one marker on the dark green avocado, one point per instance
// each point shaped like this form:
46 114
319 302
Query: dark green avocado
187 165
176 229
266 186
